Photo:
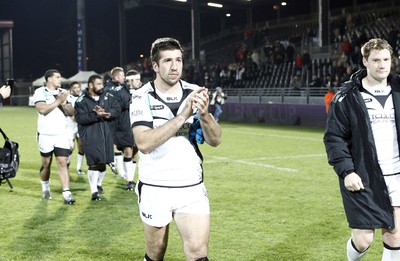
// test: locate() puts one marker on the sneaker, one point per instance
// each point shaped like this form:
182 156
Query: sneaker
80 172
100 190
113 168
96 197
130 186
46 194
69 199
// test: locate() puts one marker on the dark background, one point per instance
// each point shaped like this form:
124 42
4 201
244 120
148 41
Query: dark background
44 32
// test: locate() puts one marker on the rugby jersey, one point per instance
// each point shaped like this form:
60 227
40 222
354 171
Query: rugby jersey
174 163
54 122
380 108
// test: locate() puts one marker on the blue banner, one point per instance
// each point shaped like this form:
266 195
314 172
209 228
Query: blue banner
80 49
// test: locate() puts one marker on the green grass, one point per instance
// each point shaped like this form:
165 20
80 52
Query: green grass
272 194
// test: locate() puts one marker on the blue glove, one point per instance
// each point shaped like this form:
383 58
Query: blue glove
195 132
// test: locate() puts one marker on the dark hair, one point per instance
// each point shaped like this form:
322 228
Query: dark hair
50 73
73 83
93 78
163 44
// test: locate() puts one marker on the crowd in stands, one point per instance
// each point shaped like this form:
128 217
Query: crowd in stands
254 61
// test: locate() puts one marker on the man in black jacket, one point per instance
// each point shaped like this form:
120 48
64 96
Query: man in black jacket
123 137
94 111
362 143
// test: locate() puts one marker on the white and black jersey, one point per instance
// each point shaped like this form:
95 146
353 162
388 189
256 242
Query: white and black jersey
54 122
174 163
379 103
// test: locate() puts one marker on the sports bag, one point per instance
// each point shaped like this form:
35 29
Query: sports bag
9 160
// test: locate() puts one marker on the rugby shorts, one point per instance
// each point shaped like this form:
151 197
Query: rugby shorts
393 186
48 143
157 204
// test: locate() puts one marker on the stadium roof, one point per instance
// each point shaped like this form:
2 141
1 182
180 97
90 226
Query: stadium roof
227 4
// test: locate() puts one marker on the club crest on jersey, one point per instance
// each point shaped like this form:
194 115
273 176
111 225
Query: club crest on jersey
156 107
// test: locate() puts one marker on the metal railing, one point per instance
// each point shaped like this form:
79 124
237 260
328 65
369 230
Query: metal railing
305 95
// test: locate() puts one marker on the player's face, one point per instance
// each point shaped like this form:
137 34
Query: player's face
54 81
98 86
135 83
169 67
120 77
75 90
378 64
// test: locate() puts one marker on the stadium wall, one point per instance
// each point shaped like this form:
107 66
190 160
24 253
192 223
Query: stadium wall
285 114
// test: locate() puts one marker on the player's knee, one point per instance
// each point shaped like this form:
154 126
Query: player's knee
196 251
101 167
362 243
392 238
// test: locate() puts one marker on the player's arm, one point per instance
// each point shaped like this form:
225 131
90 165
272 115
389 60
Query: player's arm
68 109
147 138
45 108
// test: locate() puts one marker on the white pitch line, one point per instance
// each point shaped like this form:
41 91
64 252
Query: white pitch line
277 136
291 157
251 163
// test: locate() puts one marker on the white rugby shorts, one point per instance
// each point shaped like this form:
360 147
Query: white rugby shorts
47 143
157 204
393 185
72 131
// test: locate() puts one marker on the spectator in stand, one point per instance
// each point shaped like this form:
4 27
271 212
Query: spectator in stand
355 57
218 100
315 82
328 81
255 57
290 52
328 98
306 67
347 74
222 76
345 45
239 75
296 82
298 63
337 82
392 38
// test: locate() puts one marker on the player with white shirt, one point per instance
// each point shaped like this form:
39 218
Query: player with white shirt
72 127
51 104
362 138
170 185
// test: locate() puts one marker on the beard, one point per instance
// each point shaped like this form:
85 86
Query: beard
99 91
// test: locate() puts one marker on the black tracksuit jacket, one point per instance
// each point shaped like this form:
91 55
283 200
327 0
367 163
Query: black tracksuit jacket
349 144
95 133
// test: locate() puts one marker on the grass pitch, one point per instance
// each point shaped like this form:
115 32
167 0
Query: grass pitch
272 194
